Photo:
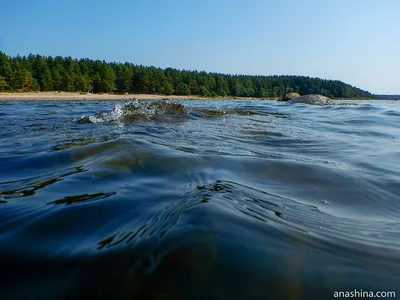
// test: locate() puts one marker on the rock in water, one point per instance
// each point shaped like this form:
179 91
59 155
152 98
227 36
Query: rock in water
313 99
168 110
290 96
136 111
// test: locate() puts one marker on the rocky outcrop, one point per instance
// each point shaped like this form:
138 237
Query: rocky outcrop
312 99
290 96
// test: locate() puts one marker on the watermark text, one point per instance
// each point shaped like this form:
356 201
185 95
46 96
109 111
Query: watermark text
364 294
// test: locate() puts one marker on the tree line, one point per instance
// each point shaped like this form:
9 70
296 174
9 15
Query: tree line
47 73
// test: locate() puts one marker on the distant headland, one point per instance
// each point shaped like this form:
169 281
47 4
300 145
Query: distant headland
388 97
94 79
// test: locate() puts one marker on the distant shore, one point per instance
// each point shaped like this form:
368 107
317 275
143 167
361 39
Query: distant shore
90 96
86 96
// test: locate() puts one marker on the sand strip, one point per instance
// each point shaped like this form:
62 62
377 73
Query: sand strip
89 96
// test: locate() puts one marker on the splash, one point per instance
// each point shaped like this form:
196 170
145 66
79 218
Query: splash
140 111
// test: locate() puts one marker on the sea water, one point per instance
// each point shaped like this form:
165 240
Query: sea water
235 200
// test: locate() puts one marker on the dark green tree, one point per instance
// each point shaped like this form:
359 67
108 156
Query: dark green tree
6 72
24 81
67 83
3 84
97 83
182 89
108 79
42 74
168 89
123 81
82 83
204 92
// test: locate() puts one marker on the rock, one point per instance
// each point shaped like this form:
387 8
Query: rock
170 109
312 99
290 96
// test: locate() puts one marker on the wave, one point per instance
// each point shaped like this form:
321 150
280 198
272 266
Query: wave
139 111
198 200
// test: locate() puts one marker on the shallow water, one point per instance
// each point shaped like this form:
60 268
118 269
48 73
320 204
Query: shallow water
239 200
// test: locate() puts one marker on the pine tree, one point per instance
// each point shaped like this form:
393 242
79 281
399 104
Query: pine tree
6 72
42 74
168 89
24 81
3 84
124 79
97 83
182 89
82 84
108 79
67 83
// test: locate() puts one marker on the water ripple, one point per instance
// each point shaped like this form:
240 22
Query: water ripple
198 199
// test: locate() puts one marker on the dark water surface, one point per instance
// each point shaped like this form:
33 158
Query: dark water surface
239 200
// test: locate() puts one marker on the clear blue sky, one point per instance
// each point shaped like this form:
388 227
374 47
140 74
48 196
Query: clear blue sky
356 41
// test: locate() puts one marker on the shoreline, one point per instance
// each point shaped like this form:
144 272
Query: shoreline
54 96
89 96
31 96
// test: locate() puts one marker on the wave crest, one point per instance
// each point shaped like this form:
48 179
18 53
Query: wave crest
138 111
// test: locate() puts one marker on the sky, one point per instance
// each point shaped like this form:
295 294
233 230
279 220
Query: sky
355 41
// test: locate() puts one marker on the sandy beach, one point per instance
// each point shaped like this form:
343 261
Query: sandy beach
88 96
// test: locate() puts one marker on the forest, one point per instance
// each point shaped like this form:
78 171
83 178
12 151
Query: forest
47 73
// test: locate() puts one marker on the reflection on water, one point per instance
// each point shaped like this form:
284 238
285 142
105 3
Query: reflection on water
29 187
68 200
236 200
